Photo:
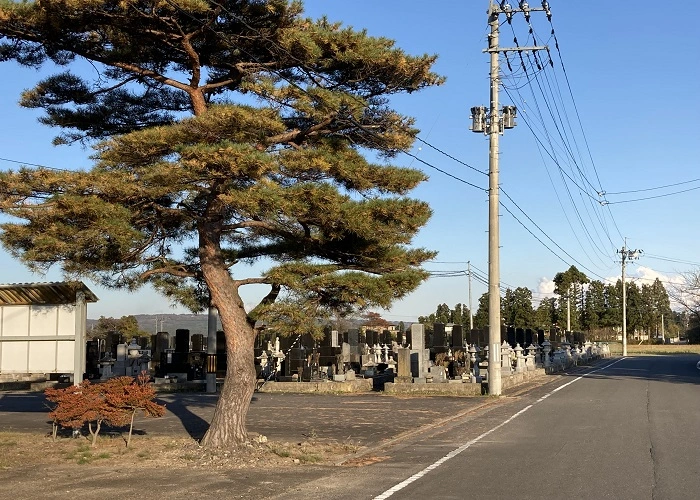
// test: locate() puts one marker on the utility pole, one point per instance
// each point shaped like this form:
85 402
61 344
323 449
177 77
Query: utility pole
626 255
471 314
493 125
568 310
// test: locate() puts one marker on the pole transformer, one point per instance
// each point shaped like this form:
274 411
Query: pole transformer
493 124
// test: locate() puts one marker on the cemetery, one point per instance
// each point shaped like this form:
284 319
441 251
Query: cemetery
42 333
446 360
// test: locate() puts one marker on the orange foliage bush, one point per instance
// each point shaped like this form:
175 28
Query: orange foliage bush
113 402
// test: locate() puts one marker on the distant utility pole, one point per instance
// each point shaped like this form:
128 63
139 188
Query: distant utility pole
626 254
471 315
493 124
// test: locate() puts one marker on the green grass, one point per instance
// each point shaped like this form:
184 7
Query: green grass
309 458
83 454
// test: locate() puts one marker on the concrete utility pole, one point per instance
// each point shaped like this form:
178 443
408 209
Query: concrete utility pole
626 255
493 125
471 314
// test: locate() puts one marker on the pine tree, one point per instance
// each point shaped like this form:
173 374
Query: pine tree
232 133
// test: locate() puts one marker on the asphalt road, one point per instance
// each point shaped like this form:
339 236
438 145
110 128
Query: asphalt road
628 429
623 429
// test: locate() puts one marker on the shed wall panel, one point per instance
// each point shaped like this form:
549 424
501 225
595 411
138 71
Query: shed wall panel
66 319
42 356
14 357
15 321
66 355
43 321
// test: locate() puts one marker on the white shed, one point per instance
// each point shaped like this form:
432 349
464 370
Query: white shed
43 328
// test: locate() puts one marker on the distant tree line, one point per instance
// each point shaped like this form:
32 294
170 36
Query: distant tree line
593 307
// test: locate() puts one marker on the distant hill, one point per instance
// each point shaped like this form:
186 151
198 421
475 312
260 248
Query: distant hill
152 323
195 323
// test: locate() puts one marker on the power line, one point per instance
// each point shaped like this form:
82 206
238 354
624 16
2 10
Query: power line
451 157
651 197
670 259
37 165
651 188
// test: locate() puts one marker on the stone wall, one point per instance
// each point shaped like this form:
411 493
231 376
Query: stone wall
359 385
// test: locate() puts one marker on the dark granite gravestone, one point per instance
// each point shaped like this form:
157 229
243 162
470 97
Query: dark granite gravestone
457 336
111 342
354 337
372 337
182 340
540 337
438 335
220 353
510 335
308 341
197 342
326 340
530 337
386 337
520 336
296 359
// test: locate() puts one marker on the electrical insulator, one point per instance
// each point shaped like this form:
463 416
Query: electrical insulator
478 119
509 114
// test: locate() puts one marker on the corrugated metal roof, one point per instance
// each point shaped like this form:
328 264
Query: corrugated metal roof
44 293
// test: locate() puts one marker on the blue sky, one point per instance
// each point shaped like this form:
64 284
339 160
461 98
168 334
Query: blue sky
632 74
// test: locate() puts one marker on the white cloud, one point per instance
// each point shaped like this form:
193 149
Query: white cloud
545 286
648 275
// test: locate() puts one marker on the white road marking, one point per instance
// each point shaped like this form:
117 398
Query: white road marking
457 451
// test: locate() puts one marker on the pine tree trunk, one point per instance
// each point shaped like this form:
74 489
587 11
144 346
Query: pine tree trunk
228 425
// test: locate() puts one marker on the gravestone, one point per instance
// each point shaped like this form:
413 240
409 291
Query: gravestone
334 338
220 353
372 337
404 366
438 335
520 336
345 353
182 340
530 337
385 337
308 341
510 335
197 342
326 340
457 336
419 354
540 337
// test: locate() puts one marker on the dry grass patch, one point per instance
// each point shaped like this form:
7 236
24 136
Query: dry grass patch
616 348
19 450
